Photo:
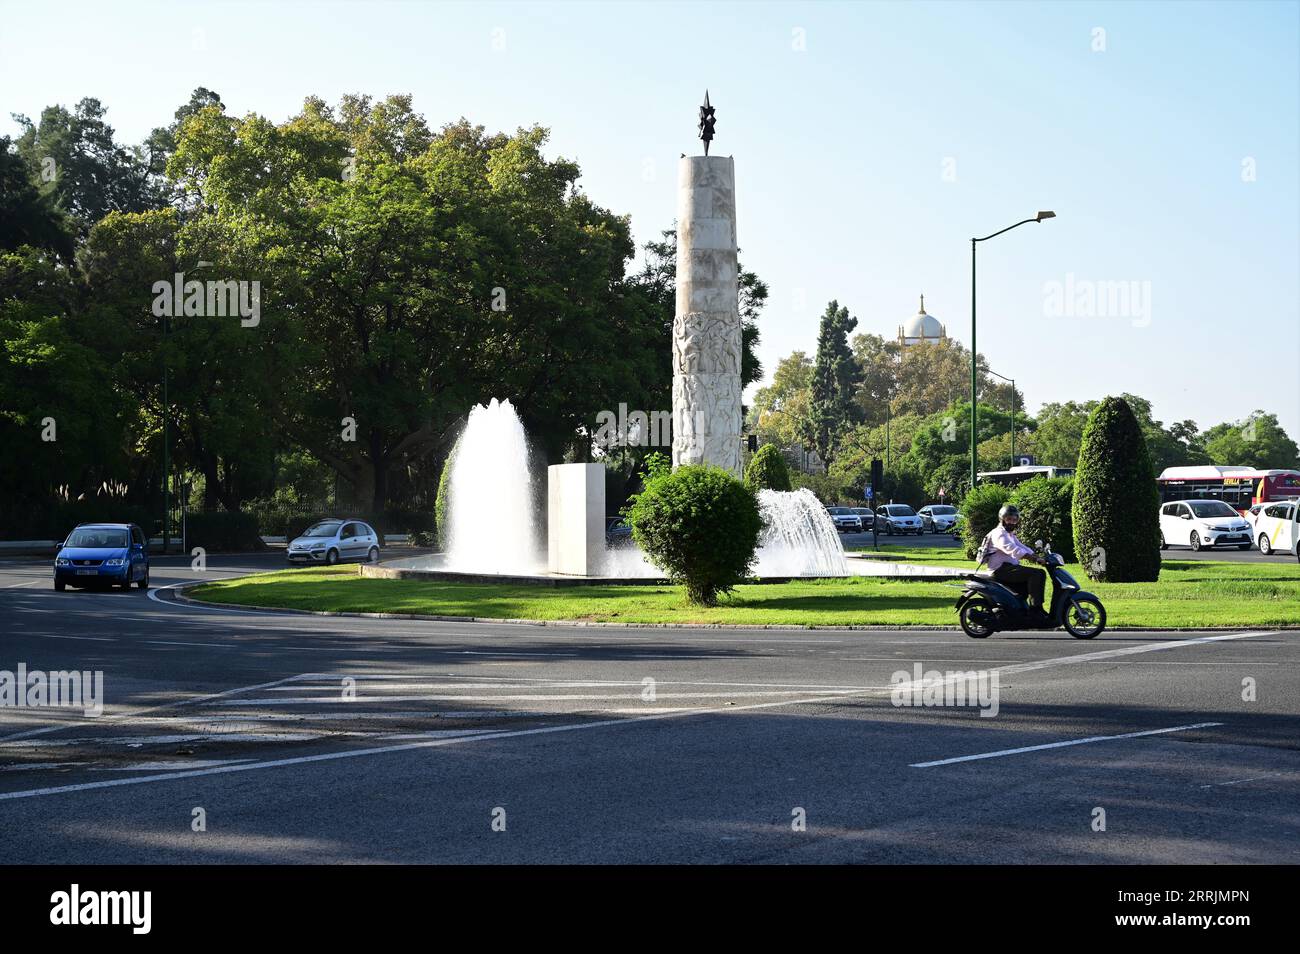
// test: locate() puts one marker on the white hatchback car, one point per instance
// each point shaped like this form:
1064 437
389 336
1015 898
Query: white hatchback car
1203 523
1276 528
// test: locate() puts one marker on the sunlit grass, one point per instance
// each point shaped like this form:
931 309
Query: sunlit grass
1190 594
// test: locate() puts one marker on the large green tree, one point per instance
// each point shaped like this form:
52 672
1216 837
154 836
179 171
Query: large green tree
1259 441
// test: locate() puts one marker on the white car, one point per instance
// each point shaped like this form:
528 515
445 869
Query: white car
1276 528
938 518
1203 523
898 518
845 520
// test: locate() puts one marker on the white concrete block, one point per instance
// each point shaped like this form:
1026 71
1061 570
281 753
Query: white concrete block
575 504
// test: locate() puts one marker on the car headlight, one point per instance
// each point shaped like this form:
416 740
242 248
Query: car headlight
116 561
62 561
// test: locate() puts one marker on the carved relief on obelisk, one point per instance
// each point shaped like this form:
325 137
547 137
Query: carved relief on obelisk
707 421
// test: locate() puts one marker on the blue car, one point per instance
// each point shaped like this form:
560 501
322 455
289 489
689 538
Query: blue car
103 554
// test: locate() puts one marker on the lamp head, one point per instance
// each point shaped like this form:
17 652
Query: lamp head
1045 215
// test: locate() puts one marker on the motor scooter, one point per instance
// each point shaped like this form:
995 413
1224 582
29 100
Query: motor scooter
987 606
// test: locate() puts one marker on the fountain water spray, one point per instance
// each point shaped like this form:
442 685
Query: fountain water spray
799 538
492 521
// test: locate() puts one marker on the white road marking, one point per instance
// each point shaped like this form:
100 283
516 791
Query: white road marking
1062 745
564 697
1240 781
15 586
407 747
126 716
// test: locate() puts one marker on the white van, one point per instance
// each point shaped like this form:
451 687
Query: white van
1203 523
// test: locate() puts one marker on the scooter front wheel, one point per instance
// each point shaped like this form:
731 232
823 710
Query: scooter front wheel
974 618
1085 617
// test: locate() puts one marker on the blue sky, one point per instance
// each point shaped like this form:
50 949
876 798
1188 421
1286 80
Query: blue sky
865 160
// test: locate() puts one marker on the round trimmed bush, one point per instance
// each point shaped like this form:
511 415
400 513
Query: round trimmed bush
979 510
700 525
1116 503
767 470
1045 504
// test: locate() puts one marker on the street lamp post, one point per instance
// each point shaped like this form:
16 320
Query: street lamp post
1013 411
974 412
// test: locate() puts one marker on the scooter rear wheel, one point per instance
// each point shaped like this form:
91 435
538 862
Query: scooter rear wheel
973 618
1085 617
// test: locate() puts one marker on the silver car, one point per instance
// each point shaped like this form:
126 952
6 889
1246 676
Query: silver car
332 541
937 518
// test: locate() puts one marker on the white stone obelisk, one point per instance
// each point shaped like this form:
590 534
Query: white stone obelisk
707 422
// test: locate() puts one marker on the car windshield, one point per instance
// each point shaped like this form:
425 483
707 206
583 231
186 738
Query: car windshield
322 530
901 510
861 510
97 537
1211 508
943 511
837 511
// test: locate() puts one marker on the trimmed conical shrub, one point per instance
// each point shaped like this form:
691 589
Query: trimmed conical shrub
767 470
1116 504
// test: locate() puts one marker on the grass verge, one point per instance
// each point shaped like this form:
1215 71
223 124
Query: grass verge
1190 594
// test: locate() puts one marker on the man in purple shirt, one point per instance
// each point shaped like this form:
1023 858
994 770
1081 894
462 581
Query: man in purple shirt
1004 551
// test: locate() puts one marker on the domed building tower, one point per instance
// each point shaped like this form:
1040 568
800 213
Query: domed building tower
921 329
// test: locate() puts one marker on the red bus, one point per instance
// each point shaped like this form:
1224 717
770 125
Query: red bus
1238 486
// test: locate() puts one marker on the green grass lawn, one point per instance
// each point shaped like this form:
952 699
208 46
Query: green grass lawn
1190 594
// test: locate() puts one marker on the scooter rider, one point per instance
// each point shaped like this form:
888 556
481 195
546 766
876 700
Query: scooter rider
1004 553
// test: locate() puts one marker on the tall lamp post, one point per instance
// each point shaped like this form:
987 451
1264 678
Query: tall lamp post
974 412
1013 411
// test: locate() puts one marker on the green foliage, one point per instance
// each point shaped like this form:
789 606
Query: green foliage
1116 503
1259 441
829 489
979 512
700 525
835 379
220 531
767 470
1045 512
442 506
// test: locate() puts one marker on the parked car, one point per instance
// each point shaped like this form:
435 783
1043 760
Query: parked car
845 520
899 518
866 516
1276 528
1203 523
618 533
332 541
937 518
103 554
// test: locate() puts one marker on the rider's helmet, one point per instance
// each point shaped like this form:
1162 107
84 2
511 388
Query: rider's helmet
1008 510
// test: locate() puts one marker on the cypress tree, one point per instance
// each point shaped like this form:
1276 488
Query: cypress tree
1116 503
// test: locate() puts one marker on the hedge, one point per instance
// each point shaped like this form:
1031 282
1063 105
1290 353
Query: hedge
1045 504
979 510
1116 503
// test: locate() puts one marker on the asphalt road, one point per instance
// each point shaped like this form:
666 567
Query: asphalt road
554 732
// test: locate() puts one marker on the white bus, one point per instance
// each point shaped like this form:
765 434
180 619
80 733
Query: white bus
1023 472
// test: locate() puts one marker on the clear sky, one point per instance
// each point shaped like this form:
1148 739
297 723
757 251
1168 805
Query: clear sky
871 142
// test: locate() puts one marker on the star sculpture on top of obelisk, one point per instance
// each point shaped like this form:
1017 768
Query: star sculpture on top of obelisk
707 122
